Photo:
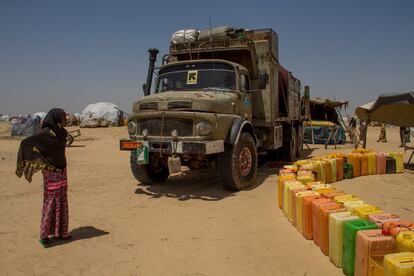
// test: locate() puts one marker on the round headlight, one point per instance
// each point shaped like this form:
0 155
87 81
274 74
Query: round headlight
204 128
132 127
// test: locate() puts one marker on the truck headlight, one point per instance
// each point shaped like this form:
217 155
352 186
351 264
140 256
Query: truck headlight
204 128
132 127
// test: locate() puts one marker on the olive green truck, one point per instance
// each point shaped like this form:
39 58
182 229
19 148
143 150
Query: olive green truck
221 100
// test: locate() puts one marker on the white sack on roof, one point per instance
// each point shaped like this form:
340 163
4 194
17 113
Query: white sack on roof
184 36
100 115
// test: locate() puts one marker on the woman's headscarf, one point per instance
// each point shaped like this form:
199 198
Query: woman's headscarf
46 149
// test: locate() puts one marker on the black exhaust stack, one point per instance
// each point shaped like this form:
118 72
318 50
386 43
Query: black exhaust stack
152 58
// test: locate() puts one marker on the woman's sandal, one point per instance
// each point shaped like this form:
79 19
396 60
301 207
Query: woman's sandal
44 242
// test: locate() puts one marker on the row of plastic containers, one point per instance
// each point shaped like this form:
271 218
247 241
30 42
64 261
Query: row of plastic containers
336 167
356 236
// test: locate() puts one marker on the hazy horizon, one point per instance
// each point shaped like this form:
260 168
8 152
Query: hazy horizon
73 53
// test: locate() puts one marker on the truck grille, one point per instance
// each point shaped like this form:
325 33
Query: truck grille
179 105
148 106
183 126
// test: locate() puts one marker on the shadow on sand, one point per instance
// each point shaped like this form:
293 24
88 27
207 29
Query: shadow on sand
80 233
206 185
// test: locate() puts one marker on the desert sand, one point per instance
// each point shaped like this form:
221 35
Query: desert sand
189 225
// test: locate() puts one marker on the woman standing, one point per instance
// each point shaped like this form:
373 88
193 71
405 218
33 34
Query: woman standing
46 151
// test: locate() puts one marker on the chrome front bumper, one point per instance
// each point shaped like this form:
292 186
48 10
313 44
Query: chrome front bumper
181 147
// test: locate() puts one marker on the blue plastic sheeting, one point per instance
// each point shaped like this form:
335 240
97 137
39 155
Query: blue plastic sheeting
321 135
26 126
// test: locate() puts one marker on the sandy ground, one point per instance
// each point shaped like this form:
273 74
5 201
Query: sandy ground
187 226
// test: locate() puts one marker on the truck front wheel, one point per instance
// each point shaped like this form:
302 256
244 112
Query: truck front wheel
154 172
238 164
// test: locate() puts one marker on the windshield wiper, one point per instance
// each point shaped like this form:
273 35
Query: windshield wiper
215 89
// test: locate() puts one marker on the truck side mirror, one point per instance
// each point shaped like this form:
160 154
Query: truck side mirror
263 79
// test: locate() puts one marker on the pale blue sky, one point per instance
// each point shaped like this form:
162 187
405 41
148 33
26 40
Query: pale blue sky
73 53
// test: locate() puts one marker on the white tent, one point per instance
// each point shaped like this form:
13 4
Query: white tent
100 115
4 118
41 115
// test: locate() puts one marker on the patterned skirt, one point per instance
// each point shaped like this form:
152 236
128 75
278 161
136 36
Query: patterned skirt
55 212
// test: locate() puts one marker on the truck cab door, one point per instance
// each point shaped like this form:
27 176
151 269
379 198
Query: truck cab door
245 110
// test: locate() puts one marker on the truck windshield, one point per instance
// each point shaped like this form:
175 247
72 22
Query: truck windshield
197 76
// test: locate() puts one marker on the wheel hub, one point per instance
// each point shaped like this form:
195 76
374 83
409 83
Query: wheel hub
245 161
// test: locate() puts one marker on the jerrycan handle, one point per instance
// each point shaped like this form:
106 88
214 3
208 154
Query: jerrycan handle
406 260
359 224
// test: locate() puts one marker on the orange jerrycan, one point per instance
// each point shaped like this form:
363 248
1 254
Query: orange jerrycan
332 194
299 212
316 204
340 168
355 160
364 164
307 225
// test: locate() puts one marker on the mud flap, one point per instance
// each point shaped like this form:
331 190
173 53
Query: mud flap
174 164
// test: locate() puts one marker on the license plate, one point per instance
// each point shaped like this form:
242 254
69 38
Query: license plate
142 155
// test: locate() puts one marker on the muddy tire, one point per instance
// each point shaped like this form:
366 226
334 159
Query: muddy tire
290 146
238 164
148 174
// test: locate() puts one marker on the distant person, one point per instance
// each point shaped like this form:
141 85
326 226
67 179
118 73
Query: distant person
45 151
383 134
403 136
407 135
353 123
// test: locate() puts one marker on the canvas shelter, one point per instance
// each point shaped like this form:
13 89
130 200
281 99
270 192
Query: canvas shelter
101 114
395 109
25 126
325 124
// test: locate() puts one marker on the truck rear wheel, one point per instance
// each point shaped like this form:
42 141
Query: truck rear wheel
238 164
300 140
154 172
290 146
